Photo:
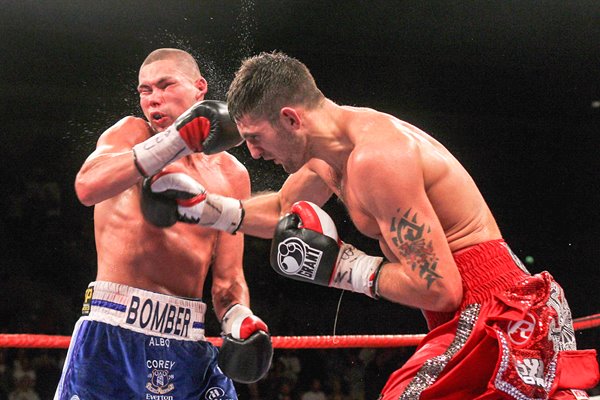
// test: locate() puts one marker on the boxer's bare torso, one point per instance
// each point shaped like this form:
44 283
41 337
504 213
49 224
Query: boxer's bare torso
132 251
464 216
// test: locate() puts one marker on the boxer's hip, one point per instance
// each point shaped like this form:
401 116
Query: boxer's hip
486 269
144 312
133 343
512 336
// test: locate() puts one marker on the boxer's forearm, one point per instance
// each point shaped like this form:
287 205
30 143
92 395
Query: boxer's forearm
104 176
227 292
261 214
400 284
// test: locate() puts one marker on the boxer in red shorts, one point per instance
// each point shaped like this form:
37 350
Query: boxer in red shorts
496 331
523 320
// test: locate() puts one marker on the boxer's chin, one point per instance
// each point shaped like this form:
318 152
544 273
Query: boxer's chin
161 124
286 167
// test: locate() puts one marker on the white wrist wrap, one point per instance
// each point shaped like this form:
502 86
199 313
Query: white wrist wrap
153 154
231 213
215 211
356 271
233 318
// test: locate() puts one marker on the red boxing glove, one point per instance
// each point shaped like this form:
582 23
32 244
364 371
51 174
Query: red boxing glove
241 323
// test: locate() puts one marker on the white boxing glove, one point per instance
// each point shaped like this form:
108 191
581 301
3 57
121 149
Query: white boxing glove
194 204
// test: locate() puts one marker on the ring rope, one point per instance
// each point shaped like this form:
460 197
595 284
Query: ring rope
26 340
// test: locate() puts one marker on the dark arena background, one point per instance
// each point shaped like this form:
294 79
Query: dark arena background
512 88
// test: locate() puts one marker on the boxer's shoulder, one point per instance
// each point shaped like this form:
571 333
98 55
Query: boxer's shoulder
128 130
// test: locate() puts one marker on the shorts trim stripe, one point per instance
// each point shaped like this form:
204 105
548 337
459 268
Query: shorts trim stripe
109 304
433 368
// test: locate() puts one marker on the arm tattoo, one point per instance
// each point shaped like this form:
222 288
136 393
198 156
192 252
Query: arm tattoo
410 239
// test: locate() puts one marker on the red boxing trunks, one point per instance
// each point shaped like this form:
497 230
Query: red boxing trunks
512 338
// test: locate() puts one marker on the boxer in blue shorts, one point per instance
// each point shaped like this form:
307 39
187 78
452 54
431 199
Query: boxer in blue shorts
157 339
141 334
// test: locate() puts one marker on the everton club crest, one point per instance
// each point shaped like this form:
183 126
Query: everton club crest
160 381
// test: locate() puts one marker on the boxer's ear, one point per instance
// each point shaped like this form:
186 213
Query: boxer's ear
202 87
290 118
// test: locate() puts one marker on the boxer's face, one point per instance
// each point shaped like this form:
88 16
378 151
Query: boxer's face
272 142
166 91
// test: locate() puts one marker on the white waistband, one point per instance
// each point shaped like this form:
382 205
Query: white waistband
145 312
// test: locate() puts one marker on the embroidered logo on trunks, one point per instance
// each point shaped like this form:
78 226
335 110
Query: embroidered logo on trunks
214 393
520 331
163 318
531 371
294 257
160 382
159 342
87 300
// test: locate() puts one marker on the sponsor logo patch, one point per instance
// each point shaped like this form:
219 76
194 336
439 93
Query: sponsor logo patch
520 331
531 371
87 301
214 393
295 257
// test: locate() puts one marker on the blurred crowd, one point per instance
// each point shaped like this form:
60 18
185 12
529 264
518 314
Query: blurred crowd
27 374
327 374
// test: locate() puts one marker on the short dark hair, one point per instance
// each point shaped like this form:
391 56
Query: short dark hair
187 61
268 82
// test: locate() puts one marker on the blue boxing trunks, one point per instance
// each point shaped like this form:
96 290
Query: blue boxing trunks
135 344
